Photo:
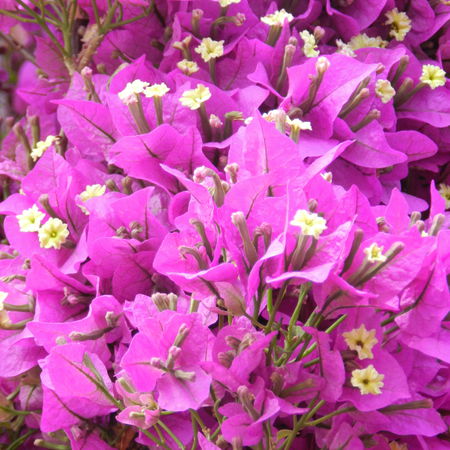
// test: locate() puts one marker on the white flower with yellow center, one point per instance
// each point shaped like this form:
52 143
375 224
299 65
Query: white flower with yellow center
3 296
432 75
270 116
444 190
156 90
298 125
374 253
194 98
209 49
364 41
277 18
91 191
225 3
311 224
344 48
41 147
361 341
188 67
53 233
309 44
400 24
30 219
368 380
384 90
131 91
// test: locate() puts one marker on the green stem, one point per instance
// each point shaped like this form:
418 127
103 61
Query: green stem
280 297
170 433
153 438
322 419
194 432
304 289
19 441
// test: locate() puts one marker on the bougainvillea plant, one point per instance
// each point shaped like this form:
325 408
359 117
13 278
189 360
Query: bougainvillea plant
225 224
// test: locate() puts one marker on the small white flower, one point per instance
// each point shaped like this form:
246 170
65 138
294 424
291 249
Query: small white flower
156 90
432 75
129 94
209 49
194 98
311 224
30 219
277 18
384 90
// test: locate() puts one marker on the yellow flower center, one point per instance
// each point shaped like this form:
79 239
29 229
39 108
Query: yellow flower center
344 48
368 380
297 124
400 24
432 75
156 90
309 44
91 191
188 67
30 219
131 91
384 90
364 41
444 190
361 341
194 98
41 147
277 18
311 224
53 233
374 253
209 49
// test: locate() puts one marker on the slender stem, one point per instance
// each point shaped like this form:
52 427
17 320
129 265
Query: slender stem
7 13
96 13
280 297
304 289
194 432
170 433
153 438
313 423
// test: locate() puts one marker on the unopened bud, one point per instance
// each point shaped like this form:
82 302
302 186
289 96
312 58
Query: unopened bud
173 355
277 382
86 72
215 122
232 170
233 342
438 221
226 358
183 333
239 19
319 33
322 64
312 204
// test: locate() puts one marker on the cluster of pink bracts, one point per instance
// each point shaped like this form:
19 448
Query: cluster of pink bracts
225 224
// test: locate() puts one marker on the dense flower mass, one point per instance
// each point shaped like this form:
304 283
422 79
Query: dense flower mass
225 224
